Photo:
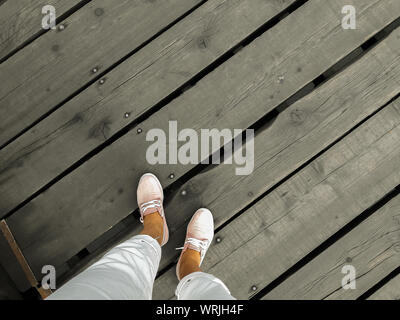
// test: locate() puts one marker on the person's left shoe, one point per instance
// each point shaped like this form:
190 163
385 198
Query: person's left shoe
150 199
199 234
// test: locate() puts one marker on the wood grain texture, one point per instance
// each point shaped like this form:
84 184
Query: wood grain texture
102 191
17 253
22 19
138 84
8 291
11 266
97 250
294 137
390 291
57 64
304 211
285 145
372 248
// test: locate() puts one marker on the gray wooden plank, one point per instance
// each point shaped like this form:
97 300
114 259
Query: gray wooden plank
8 290
298 134
98 250
146 78
372 248
292 220
57 64
285 145
11 266
390 291
123 228
21 20
90 200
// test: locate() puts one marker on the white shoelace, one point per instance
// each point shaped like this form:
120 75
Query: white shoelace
151 204
201 245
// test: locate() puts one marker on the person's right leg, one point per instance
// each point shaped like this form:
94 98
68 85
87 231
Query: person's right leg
195 284
128 270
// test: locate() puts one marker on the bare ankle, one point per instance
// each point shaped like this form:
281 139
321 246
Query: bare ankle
189 263
153 226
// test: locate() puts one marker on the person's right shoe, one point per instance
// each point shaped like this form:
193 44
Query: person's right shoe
150 199
199 234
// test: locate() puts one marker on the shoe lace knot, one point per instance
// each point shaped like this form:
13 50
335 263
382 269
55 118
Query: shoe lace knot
150 204
199 245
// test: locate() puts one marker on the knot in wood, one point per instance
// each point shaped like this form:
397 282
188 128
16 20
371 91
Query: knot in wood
297 116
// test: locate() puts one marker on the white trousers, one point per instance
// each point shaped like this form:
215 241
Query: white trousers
128 272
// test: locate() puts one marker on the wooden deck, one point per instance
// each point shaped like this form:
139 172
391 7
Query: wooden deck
76 104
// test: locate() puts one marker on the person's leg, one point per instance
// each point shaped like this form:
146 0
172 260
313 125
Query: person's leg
195 284
202 286
125 272
189 262
128 270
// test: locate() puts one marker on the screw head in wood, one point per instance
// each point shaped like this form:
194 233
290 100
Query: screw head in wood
218 239
171 176
94 70
61 27
254 288
99 11
139 130
183 192
126 115
101 81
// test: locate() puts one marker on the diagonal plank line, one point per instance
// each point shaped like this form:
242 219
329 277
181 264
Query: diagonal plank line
328 243
31 39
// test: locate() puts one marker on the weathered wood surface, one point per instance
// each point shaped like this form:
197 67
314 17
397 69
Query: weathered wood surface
372 248
97 250
135 86
292 220
102 191
20 20
294 137
390 291
11 265
326 114
57 64
8 291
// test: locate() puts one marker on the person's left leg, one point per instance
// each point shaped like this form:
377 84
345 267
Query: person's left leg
195 284
128 270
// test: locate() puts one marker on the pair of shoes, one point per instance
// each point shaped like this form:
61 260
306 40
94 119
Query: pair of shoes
200 230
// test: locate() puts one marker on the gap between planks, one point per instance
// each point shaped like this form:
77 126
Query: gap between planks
21 22
390 291
281 148
144 78
37 86
355 80
114 235
372 248
296 217
163 176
